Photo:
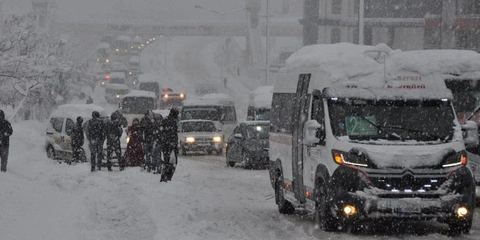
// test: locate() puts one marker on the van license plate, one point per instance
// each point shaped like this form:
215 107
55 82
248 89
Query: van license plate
399 206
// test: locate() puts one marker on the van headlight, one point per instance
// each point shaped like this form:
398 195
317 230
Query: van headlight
118 96
344 158
217 139
459 159
190 139
128 139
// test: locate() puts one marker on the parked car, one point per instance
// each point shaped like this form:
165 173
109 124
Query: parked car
199 135
248 144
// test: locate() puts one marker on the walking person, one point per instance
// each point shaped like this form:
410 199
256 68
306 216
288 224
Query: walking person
78 139
134 155
170 145
96 137
147 127
159 138
5 133
113 133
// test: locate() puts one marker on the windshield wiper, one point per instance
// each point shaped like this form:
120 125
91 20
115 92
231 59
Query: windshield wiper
380 128
425 133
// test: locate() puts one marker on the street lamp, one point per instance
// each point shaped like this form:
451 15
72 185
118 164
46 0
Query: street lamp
222 14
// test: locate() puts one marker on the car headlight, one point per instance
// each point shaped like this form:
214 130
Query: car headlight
118 96
217 139
190 139
128 139
182 95
455 160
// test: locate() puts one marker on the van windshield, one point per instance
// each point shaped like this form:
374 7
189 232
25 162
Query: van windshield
213 113
260 131
151 87
137 105
427 120
199 126
117 80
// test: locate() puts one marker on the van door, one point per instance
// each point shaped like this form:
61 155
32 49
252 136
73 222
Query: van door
300 112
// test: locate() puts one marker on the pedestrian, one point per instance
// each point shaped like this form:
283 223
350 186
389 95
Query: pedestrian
113 133
96 137
225 82
170 145
147 127
78 139
5 133
134 155
123 121
159 137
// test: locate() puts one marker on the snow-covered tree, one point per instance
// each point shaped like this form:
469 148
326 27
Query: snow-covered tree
35 72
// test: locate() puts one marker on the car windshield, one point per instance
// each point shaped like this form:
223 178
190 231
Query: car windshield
201 113
427 120
137 105
258 131
122 91
117 80
198 127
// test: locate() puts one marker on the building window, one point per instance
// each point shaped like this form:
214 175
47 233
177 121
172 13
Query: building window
336 6
335 35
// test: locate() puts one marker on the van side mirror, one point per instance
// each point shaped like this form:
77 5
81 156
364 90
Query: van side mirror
313 133
238 136
470 134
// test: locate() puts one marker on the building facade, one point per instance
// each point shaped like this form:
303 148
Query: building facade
403 24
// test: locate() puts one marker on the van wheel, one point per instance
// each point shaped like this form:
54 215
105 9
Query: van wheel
323 216
457 227
284 206
229 163
50 152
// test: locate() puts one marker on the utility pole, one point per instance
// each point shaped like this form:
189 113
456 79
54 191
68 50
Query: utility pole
361 21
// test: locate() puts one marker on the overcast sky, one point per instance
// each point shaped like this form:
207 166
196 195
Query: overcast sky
160 9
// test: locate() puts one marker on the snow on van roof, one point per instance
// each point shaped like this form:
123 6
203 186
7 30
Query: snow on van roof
388 94
116 86
346 61
261 97
117 75
210 99
139 93
103 45
74 110
134 59
123 38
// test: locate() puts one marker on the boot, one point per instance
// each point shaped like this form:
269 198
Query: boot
4 169
93 169
109 166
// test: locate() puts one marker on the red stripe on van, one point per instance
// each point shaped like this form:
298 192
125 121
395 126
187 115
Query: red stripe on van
282 139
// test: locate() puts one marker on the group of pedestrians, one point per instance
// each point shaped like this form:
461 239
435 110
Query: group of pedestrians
149 139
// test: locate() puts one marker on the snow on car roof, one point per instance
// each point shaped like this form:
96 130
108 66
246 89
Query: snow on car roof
197 120
216 99
139 93
257 122
74 110
116 86
117 75
261 97
134 59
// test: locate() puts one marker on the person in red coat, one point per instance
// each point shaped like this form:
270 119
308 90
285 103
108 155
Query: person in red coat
134 155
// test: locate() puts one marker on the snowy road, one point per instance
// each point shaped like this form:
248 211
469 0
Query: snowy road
42 199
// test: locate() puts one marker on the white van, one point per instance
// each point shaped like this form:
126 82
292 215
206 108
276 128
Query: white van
136 103
260 103
113 92
356 137
57 139
217 107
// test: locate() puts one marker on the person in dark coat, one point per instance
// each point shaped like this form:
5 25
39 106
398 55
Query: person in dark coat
113 133
123 120
96 137
78 139
159 138
5 133
134 155
147 127
170 145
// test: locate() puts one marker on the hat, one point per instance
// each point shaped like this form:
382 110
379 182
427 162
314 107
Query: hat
79 119
95 114
158 117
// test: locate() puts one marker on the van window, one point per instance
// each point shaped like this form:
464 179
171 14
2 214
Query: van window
282 112
69 126
57 124
230 114
109 91
122 91
117 80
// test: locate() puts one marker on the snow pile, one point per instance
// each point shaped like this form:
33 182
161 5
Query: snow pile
75 110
